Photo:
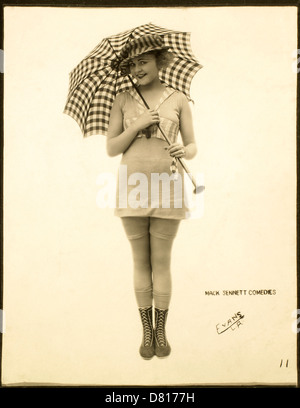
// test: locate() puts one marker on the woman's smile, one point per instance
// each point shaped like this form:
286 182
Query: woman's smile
144 68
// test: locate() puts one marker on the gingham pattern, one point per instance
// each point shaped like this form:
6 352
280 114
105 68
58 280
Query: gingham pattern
94 84
137 47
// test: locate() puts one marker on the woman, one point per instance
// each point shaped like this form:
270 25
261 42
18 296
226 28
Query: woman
150 222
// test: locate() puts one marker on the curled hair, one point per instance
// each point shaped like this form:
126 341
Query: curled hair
163 60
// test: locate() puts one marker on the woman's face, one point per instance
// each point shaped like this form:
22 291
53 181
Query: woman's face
144 68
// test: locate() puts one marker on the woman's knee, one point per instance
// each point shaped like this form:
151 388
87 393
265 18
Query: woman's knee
141 253
161 254
142 263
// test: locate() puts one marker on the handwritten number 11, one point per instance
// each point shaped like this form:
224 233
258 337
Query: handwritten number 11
286 364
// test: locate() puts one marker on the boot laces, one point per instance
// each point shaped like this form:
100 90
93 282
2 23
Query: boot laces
160 329
147 327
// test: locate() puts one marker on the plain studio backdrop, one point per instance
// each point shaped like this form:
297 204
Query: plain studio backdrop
69 305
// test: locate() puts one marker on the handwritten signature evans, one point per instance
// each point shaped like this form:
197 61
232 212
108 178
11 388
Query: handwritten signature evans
233 323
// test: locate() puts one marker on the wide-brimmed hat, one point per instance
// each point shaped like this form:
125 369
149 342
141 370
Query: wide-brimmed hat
136 47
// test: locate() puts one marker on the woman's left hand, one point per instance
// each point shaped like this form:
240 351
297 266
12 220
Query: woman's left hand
176 150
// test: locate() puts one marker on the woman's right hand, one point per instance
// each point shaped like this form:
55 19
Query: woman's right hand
146 119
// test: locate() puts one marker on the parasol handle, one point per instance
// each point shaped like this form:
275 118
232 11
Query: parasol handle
198 189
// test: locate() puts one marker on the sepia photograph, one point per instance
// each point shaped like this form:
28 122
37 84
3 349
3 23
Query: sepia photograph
150 197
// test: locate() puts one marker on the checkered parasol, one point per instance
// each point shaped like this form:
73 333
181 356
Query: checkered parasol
96 80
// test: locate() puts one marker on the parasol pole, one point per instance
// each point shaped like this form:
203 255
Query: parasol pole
198 189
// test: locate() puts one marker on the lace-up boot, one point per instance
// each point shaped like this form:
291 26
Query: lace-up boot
162 347
147 346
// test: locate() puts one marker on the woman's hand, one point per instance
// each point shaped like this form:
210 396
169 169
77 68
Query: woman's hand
176 150
146 119
180 151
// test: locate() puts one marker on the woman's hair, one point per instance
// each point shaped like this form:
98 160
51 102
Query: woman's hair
163 60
